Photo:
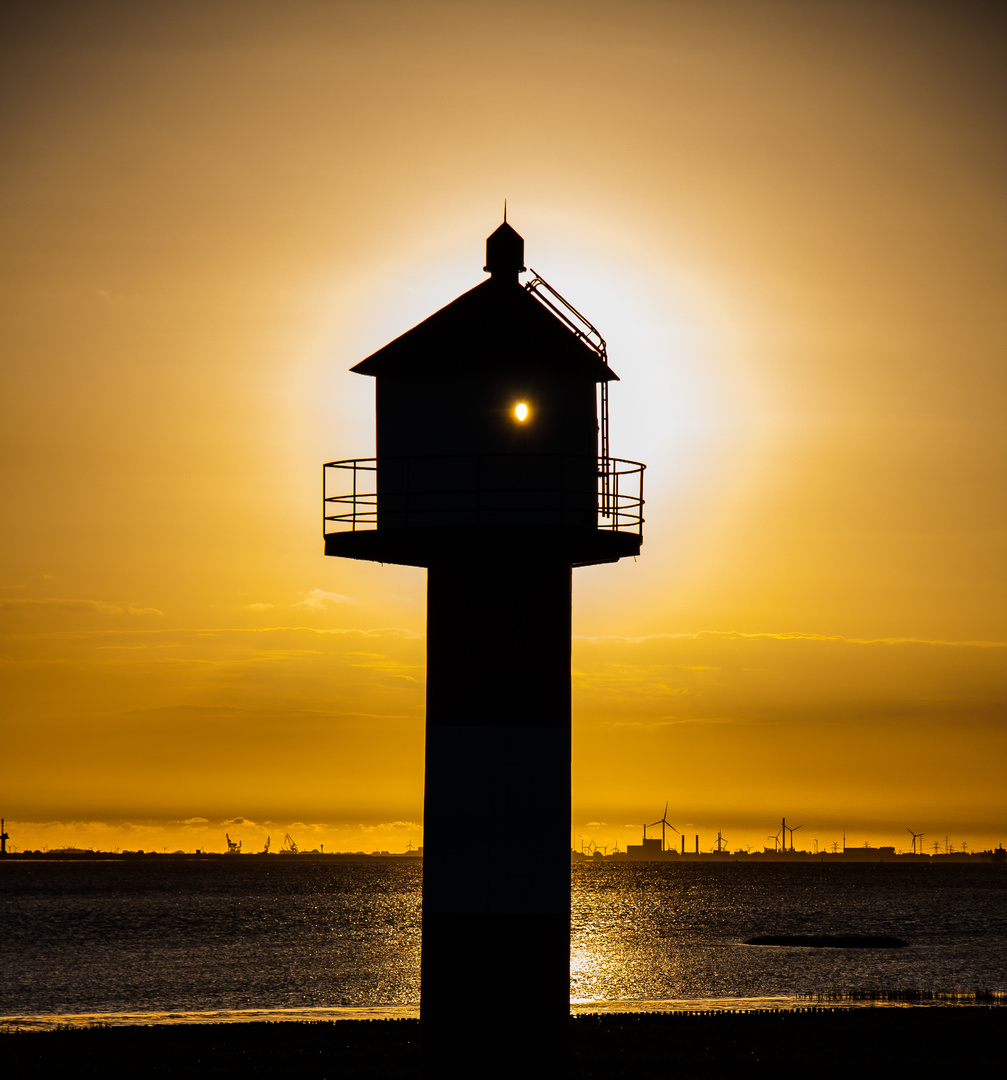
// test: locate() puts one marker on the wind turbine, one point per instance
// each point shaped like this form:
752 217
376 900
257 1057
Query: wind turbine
662 821
791 831
776 841
916 836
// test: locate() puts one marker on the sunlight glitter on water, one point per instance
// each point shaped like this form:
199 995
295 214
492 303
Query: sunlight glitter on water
580 1007
583 1007
223 1016
236 942
780 1001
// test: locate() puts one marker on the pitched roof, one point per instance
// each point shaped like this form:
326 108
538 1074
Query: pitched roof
496 325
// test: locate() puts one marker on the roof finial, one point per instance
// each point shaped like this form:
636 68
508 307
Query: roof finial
505 253
505 211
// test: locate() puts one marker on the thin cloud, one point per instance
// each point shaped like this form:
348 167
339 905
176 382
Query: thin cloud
97 607
671 721
319 600
371 829
212 631
790 635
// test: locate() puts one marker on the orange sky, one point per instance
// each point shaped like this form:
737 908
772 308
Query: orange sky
787 219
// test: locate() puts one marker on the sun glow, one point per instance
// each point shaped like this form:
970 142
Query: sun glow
822 428
521 411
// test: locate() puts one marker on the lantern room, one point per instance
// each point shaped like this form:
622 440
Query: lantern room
491 426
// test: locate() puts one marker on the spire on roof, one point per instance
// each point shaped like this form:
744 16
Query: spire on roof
505 252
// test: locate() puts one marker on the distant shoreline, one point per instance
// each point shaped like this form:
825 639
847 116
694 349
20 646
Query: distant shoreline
343 1014
851 855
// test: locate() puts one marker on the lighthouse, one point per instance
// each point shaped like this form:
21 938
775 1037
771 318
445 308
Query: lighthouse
492 470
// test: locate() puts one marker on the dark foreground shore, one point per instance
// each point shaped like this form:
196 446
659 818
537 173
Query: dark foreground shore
813 1042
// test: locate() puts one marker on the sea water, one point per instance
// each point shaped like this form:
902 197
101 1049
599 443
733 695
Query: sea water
292 937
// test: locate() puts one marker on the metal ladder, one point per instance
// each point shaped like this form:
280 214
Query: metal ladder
588 334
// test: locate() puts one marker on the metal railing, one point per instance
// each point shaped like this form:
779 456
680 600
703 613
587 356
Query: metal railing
483 490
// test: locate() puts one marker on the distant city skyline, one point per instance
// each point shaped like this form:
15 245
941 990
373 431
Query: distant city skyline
400 837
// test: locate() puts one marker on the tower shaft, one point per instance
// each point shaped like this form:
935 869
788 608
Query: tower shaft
496 863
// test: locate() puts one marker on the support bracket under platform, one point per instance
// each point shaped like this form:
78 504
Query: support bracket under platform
430 546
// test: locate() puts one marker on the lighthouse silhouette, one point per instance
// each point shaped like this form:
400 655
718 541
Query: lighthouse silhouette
492 470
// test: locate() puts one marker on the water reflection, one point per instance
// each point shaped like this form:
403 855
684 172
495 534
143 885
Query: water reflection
658 932
233 937
190 937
